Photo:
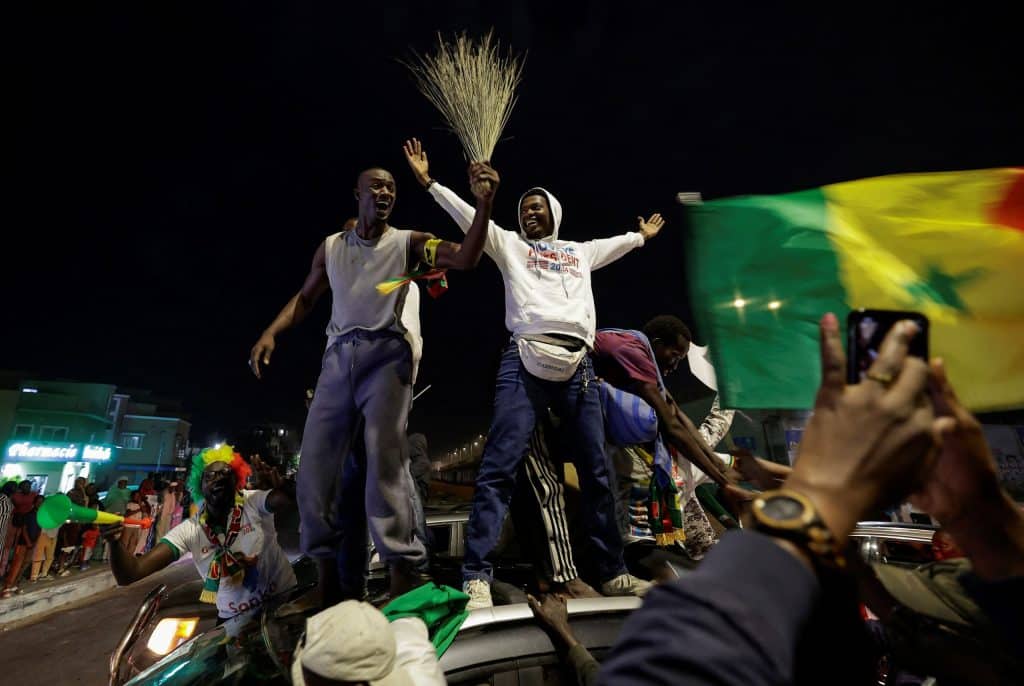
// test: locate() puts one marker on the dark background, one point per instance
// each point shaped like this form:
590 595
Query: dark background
176 166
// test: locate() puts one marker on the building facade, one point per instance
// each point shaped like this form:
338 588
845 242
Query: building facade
53 432
276 444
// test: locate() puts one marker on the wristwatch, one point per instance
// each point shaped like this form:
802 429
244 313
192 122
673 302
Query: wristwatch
790 515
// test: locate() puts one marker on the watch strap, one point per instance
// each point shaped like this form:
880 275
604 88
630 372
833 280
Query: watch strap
808 532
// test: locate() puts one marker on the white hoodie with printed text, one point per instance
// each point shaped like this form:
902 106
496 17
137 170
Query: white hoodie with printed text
547 281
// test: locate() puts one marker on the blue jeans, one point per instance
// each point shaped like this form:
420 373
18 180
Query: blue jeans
519 399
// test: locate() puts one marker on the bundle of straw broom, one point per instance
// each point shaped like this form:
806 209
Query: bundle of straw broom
473 85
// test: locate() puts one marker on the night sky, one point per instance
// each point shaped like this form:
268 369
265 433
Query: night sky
177 166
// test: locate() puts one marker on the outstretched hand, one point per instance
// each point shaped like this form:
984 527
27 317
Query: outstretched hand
264 476
965 477
650 228
963 491
416 156
261 352
737 499
757 471
553 614
871 443
112 532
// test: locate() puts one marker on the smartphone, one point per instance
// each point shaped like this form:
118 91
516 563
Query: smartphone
865 331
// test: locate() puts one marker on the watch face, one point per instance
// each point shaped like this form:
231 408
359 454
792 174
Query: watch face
783 508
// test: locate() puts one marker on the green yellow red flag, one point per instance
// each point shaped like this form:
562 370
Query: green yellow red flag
763 269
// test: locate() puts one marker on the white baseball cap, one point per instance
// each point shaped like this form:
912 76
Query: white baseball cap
351 641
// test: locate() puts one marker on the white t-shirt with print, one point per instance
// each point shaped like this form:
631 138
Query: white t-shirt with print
257 538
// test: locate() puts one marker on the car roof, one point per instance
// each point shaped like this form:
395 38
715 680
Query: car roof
895 531
517 612
505 637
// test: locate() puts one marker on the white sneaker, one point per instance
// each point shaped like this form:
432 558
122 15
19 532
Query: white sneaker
479 592
625 584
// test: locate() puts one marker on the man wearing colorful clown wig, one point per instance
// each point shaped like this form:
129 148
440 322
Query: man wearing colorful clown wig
232 538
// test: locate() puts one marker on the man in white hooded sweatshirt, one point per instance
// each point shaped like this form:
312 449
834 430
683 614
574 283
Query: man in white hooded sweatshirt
549 308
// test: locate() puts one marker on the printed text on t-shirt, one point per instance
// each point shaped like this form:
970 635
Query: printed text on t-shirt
546 256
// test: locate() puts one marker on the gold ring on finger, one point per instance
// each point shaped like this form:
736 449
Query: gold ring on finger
884 378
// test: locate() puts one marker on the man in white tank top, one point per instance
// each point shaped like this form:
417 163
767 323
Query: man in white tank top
366 375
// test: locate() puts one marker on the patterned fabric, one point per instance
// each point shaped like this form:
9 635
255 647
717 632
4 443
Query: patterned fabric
716 424
436 279
665 511
6 510
635 474
661 509
546 483
224 563
633 412
700 535
655 512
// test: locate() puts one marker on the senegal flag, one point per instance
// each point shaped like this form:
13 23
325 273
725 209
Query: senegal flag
763 269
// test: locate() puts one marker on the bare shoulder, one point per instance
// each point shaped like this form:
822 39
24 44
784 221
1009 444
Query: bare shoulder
320 256
420 236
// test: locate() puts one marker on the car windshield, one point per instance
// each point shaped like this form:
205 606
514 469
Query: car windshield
237 651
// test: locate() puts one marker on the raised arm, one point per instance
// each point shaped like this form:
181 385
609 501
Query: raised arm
458 209
687 440
681 433
740 616
126 567
294 311
604 251
448 255
281 492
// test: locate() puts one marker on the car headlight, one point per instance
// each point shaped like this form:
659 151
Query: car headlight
170 633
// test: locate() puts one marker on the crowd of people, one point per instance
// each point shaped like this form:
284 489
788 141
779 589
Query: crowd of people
787 600
760 601
30 553
231 536
768 604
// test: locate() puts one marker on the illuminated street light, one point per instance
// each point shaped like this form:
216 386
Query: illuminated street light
739 303
774 305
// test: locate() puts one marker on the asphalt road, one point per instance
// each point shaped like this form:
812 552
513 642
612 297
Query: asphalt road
73 646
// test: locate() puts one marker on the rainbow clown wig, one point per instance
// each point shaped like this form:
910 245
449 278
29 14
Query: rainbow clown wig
208 456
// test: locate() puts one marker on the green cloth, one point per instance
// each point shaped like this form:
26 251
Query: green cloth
116 500
762 249
442 609
707 494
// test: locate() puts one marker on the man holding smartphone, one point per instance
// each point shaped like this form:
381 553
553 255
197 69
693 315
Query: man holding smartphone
865 331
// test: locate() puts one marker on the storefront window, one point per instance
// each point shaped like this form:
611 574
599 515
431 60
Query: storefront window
71 471
39 482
